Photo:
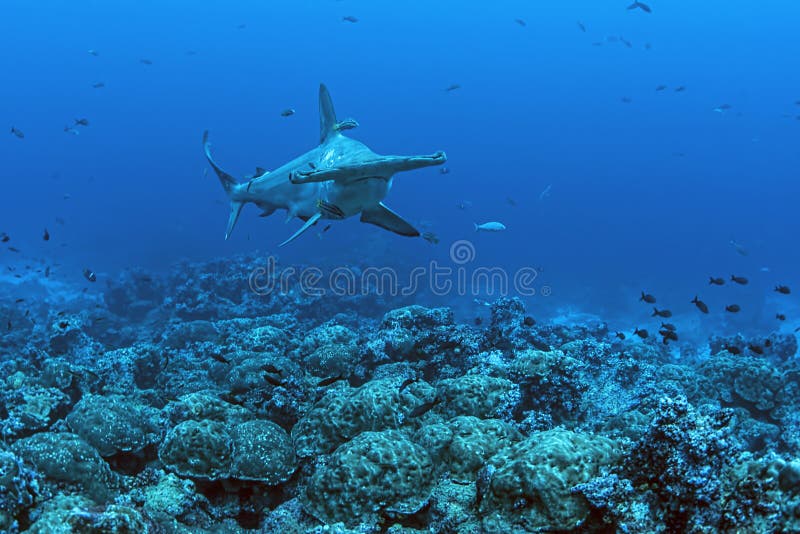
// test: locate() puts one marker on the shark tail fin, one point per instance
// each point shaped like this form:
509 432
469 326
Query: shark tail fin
229 184
327 115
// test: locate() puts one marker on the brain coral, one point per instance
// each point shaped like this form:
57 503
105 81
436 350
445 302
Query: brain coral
376 472
532 479
113 424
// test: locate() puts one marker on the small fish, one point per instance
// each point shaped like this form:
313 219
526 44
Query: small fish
626 100
581 26
288 112
444 170
481 302
546 192
19 300
81 122
642 333
661 87
620 335
328 227
722 108
492 226
92 52
716 281
13 249
431 238
783 290
646 297
668 326
17 132
451 88
219 357
668 336
680 89
511 202
241 26
325 382
46 235
739 248
71 130
661 313
47 272
521 22
640 5
89 275
350 18
145 62
733 350
733 308
332 210
98 85
780 316
626 42
741 280
483 483
4 237
478 321
407 382
424 408
768 343
268 367
700 304
755 348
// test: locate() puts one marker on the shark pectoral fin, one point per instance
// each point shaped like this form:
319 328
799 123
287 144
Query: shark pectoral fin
309 223
382 216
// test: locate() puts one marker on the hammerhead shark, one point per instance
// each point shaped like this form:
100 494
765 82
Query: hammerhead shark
338 179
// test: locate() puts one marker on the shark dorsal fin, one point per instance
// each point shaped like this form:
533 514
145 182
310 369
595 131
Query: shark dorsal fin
327 115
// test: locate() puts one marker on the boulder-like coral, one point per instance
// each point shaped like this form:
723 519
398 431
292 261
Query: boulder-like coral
532 481
19 487
345 412
374 474
479 395
65 457
113 424
253 450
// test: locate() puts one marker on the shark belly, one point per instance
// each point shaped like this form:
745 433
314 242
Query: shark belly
355 197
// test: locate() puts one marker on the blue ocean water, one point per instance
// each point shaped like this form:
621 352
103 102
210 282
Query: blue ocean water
624 151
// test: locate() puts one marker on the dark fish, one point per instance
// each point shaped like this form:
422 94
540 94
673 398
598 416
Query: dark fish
768 343
325 382
661 87
626 100
89 275
47 272
755 348
733 350
783 290
219 357
650 299
4 237
13 249
288 112
581 26
407 382
444 170
529 321
81 122
626 42
741 280
268 367
63 324
700 304
640 5
668 335
452 87
17 132
18 301
271 380
716 281
661 313
641 333
668 326
145 62
780 316
424 408
46 235
511 201
680 89
350 18
733 308
431 238
241 26
620 335
331 210
521 22
98 85
478 321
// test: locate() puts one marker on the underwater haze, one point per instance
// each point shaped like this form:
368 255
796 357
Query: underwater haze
595 289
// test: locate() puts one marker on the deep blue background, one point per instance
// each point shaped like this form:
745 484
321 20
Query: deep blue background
645 194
